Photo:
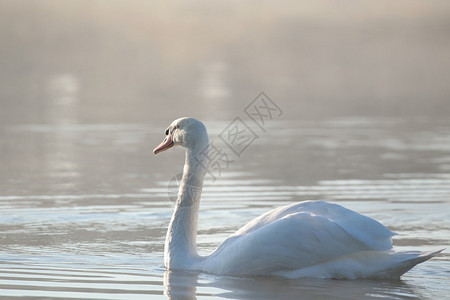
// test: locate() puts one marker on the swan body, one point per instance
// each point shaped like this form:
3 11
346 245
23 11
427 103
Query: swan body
306 239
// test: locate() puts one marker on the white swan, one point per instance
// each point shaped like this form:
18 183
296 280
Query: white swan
306 239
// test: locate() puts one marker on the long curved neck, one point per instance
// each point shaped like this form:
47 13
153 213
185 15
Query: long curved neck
180 249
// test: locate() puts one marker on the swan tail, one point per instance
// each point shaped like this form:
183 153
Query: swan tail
363 264
403 262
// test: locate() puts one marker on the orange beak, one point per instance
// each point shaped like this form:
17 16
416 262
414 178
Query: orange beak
166 144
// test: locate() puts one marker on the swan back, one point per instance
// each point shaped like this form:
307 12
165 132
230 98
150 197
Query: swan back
297 236
364 229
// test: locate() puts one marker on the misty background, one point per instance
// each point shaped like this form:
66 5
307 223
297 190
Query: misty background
154 61
88 87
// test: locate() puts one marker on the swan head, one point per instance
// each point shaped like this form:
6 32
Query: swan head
186 132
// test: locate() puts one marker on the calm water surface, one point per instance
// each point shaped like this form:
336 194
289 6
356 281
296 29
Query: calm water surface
88 87
84 208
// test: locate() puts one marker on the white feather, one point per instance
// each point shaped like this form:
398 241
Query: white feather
306 239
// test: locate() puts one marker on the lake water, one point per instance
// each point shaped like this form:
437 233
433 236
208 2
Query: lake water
84 208
359 117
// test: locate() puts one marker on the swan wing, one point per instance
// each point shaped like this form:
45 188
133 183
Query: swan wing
364 229
295 237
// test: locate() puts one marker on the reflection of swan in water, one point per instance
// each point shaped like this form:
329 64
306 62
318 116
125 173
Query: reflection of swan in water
189 285
180 284
306 239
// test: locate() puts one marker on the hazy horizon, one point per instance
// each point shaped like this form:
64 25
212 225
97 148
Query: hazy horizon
145 61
